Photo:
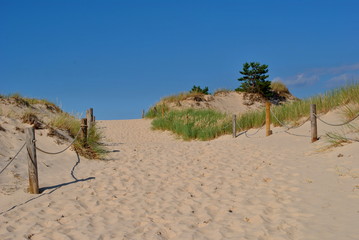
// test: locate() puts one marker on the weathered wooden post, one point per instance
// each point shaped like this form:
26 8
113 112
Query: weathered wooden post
32 161
83 135
234 130
313 121
268 131
90 119
143 113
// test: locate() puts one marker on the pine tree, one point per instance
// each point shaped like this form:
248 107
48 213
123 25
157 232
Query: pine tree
254 79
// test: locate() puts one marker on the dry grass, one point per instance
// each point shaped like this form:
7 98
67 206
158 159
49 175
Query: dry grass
32 119
350 111
335 139
181 96
221 91
28 102
279 87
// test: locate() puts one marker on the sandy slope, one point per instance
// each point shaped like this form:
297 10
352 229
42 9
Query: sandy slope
230 102
155 186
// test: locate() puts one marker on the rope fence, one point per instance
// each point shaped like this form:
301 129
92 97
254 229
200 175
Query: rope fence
54 153
252 134
87 122
285 125
337 124
12 159
31 148
312 118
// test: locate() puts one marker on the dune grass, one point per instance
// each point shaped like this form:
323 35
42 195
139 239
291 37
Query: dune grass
67 122
157 110
193 124
92 148
296 110
27 102
209 124
181 96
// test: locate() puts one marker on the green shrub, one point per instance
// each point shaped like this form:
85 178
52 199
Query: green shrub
198 89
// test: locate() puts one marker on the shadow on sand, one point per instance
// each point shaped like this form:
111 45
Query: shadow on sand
53 188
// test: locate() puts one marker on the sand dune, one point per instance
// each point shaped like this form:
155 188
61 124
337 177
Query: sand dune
155 186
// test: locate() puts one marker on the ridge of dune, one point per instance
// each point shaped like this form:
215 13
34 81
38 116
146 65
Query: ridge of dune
230 102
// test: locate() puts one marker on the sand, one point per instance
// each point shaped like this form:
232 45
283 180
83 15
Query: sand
154 185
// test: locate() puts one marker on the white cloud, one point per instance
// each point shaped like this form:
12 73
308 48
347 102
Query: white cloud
303 79
337 70
342 74
342 79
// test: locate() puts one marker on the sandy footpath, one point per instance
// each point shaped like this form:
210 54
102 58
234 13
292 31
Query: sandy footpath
155 186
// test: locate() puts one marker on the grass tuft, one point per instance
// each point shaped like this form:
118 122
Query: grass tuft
181 96
92 149
336 139
221 91
279 87
67 122
157 111
193 124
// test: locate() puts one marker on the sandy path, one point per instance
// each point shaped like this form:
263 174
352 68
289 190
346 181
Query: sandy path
154 186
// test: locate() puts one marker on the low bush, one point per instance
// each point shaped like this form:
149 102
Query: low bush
198 89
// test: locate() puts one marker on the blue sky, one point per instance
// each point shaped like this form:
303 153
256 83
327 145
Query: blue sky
120 57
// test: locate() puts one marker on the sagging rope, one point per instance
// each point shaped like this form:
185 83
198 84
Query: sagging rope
252 134
12 159
339 124
286 126
292 127
54 153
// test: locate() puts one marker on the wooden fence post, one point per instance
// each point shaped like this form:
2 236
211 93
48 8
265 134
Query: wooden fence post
143 113
234 130
90 119
268 131
313 121
84 130
32 161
